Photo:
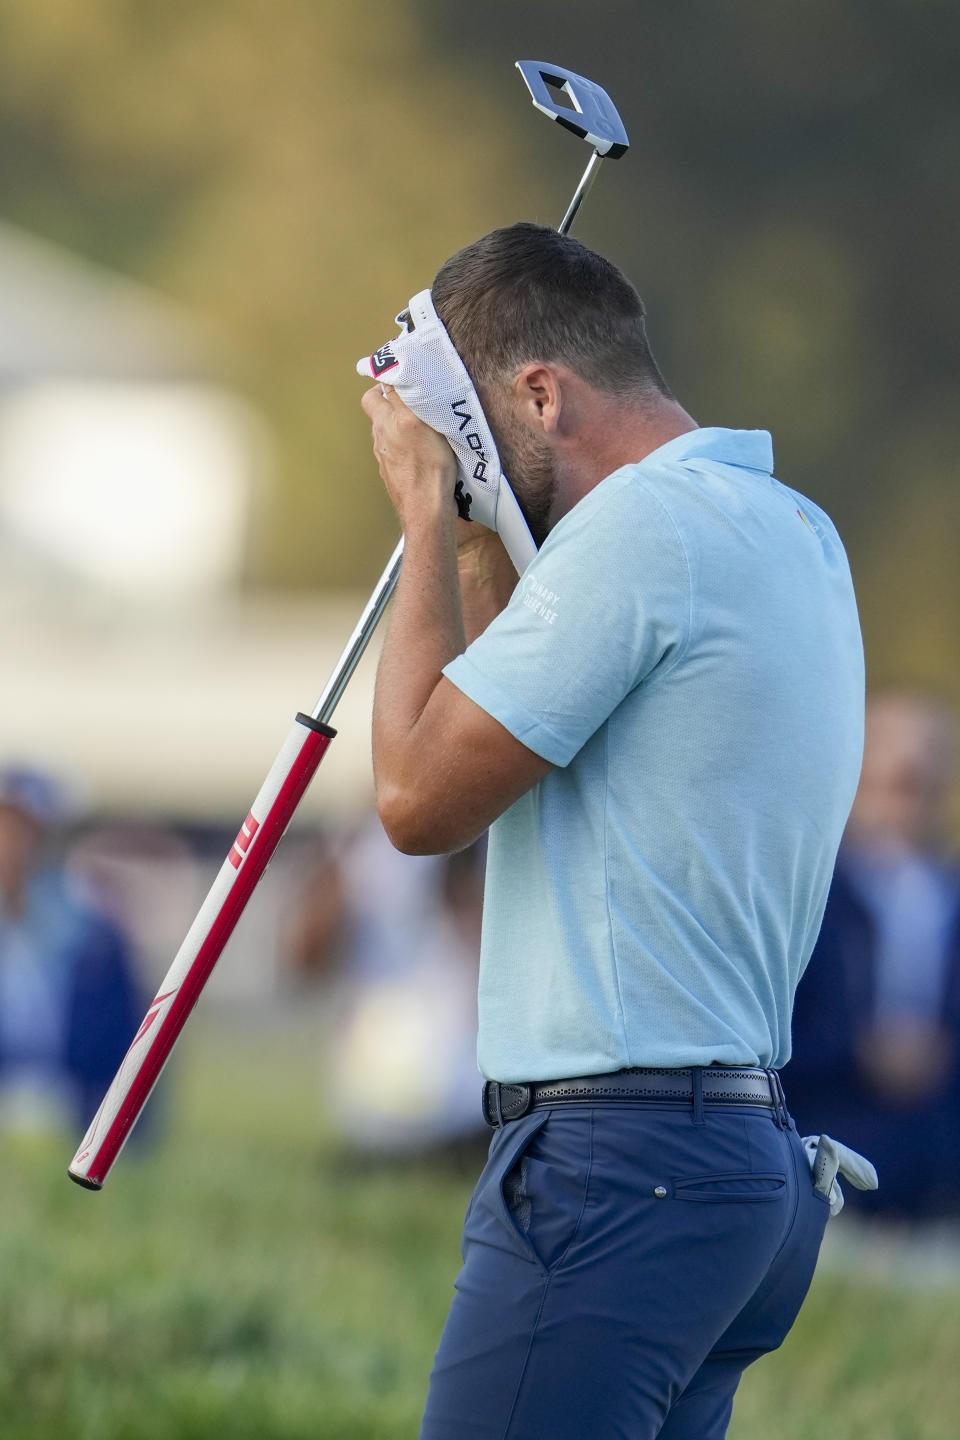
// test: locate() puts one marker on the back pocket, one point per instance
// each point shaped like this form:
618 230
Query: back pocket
713 1189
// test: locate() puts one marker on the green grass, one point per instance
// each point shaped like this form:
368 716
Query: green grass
241 1280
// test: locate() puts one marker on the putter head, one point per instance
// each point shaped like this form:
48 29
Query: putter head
591 113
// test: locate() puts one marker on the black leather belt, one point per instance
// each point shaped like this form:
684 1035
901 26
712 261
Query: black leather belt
707 1084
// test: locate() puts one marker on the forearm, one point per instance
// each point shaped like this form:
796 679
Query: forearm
487 579
444 768
425 632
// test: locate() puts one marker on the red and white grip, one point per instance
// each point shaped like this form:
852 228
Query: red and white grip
259 835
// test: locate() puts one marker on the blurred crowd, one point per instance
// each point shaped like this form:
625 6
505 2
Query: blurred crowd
394 941
877 1020
69 1001
389 947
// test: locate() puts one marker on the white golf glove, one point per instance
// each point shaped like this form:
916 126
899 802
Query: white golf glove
424 367
827 1157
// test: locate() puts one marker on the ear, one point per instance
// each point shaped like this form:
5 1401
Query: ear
539 395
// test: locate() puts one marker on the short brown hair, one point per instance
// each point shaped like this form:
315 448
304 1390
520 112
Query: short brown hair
527 293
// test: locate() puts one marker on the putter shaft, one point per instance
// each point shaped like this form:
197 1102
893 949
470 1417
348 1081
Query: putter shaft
581 192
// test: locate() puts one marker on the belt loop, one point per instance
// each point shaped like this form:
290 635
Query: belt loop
785 1113
696 1078
497 1105
776 1095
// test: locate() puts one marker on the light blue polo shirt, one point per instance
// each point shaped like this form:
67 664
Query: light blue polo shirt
685 649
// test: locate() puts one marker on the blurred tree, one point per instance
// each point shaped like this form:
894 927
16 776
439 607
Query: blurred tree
296 171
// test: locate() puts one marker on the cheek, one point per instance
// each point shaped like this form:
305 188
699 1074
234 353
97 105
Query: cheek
512 457
525 451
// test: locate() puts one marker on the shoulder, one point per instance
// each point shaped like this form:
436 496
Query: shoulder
814 514
619 551
629 512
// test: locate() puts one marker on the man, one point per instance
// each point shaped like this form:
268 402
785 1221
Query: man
662 723
69 1004
877 1020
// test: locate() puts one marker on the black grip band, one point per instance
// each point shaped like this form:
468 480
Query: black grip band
316 725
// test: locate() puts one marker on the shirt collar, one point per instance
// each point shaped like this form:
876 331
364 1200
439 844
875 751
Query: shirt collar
750 449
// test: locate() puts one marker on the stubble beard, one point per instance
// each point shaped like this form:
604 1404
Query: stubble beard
530 468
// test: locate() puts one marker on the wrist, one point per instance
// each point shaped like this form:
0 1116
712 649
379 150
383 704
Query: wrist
472 536
482 559
429 508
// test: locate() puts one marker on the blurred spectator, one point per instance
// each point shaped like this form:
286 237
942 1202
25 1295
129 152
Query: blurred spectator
877 1021
398 937
145 877
68 1004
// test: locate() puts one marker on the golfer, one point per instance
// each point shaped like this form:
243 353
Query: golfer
661 722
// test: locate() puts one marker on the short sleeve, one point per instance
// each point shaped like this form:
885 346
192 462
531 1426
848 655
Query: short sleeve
604 605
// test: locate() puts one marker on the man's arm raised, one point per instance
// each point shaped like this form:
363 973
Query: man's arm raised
487 576
444 768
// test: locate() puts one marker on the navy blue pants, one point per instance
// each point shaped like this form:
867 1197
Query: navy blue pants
622 1265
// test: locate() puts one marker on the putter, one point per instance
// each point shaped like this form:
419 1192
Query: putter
587 111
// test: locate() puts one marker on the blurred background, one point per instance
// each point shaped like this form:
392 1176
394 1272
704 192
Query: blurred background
208 211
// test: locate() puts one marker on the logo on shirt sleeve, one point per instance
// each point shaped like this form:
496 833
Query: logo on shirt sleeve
540 599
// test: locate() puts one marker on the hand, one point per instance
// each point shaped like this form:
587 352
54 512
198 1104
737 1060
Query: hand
416 463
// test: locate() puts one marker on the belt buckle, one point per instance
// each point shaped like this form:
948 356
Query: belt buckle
490 1104
495 1113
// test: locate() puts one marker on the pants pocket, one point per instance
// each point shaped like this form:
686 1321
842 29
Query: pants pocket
713 1189
489 1222
543 1192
